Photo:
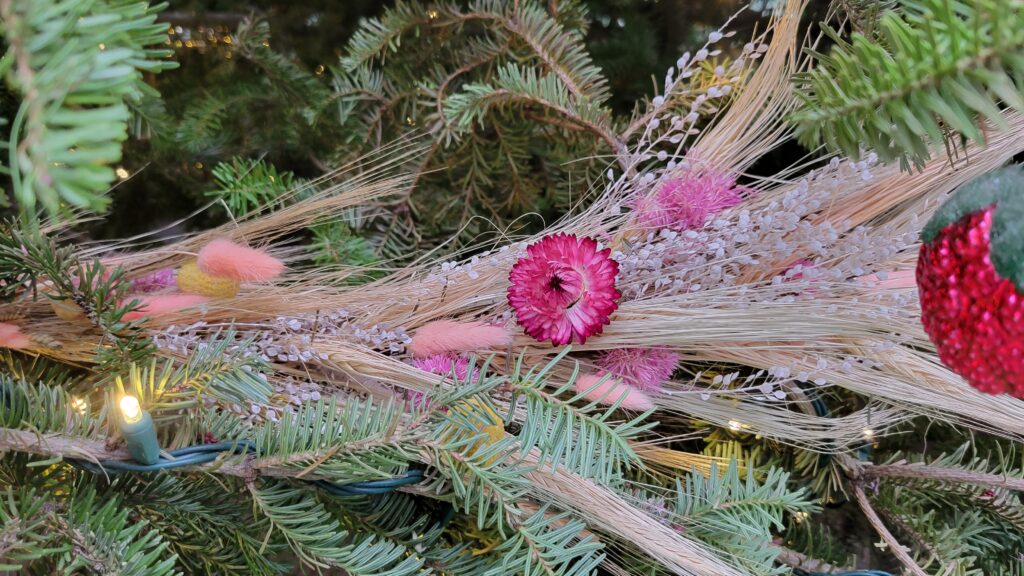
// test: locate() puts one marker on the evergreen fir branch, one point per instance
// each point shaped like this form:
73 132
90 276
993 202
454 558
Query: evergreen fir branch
24 529
959 466
75 64
943 66
336 243
579 439
208 528
104 540
36 369
201 128
26 255
289 79
738 515
43 408
248 185
222 369
814 548
317 539
548 544
515 85
358 441
378 36
561 51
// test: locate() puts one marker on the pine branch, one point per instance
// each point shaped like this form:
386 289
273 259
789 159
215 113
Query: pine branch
318 540
24 529
942 66
549 545
75 66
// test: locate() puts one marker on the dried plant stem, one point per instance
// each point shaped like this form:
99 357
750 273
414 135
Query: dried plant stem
925 472
897 549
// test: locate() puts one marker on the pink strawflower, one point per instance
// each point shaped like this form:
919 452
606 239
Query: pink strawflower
644 368
154 281
160 305
442 365
225 259
686 202
449 336
610 391
11 337
563 289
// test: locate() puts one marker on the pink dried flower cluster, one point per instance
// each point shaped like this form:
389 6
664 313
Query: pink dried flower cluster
563 289
686 202
161 279
444 365
644 368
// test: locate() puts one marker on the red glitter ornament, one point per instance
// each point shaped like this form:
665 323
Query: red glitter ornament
969 277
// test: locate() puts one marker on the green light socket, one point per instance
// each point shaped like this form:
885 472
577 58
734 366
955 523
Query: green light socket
141 439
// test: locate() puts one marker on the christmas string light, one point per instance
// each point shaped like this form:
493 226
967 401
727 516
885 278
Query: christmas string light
139 431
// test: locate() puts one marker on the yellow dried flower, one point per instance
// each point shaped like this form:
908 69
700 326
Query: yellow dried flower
192 280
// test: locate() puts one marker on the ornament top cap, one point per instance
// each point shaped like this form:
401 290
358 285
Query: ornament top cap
1004 190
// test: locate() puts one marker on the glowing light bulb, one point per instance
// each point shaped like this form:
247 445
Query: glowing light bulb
869 433
735 426
130 409
79 405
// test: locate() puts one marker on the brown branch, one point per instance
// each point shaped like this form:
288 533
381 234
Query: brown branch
940 474
895 547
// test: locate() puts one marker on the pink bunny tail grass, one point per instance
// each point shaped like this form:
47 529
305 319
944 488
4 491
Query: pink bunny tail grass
11 337
164 304
611 390
226 259
448 336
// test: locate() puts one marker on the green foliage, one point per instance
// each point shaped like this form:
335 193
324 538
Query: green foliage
549 543
24 531
77 65
578 438
471 73
43 408
978 528
937 68
738 515
317 539
105 540
208 529
248 185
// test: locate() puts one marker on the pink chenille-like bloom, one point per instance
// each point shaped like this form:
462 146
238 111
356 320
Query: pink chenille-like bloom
686 202
442 364
563 289
644 368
